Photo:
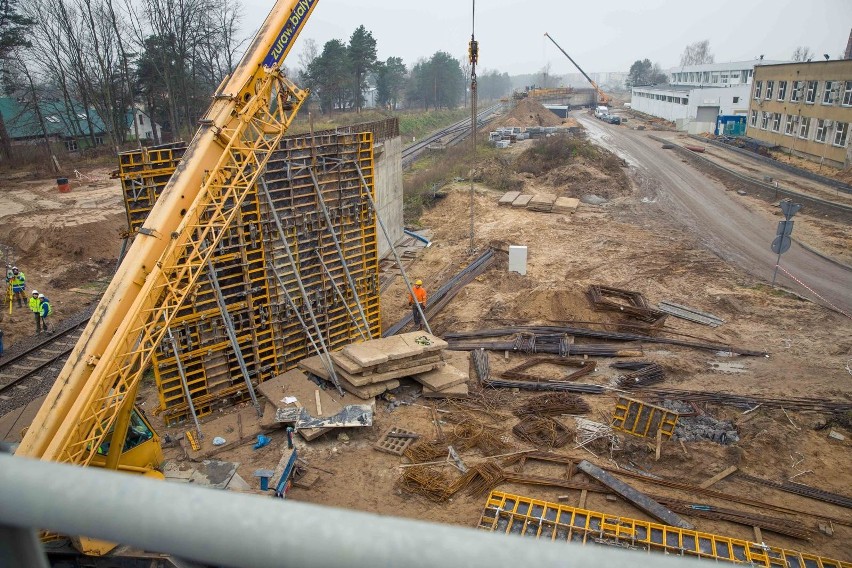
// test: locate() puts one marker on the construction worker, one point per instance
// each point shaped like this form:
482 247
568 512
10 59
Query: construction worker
35 308
19 285
45 309
420 294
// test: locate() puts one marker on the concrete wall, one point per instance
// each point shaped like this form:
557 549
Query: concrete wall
387 156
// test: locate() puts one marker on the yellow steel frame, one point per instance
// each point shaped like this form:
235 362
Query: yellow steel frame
524 516
642 419
247 144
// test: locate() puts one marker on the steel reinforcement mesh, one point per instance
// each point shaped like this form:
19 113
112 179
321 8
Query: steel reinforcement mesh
252 262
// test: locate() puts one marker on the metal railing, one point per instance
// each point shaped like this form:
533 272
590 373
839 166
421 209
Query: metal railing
233 529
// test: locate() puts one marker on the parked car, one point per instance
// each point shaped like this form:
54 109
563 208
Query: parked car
612 119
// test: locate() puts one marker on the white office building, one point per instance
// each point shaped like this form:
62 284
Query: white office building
697 94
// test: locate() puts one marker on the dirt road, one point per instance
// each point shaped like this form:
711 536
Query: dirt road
726 226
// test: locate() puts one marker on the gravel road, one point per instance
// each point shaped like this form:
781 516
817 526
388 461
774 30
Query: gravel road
723 224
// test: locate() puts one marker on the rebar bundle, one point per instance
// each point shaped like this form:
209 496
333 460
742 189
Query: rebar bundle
545 432
479 479
746 401
426 451
427 482
648 374
546 386
557 332
553 404
481 364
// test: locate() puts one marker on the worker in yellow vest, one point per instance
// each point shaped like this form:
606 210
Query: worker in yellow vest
19 285
45 309
35 308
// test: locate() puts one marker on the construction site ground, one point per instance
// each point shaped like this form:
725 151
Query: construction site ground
68 243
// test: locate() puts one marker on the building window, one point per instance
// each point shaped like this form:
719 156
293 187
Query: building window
804 127
821 129
782 90
71 144
764 122
99 140
810 98
52 118
847 94
790 126
758 87
796 92
827 97
754 118
770 86
141 119
776 122
840 134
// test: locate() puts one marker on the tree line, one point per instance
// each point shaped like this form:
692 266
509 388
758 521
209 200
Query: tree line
100 60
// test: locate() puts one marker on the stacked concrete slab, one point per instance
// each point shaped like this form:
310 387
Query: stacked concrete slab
542 203
565 205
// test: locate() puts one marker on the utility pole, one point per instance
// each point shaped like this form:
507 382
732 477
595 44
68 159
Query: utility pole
473 56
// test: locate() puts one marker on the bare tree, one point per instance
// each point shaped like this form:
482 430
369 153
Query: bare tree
310 51
697 53
802 53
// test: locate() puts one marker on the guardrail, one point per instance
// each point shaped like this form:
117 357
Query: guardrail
224 528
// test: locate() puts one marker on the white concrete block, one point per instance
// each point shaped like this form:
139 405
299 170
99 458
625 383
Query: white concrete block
518 259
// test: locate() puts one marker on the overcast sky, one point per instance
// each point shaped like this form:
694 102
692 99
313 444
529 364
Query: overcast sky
606 35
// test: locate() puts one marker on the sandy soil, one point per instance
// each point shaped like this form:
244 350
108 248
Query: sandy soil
619 244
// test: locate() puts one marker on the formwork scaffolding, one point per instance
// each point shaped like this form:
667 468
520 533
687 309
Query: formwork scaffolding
315 288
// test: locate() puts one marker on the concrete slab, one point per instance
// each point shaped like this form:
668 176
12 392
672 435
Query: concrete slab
368 392
216 474
396 348
509 197
565 205
426 341
458 391
366 354
274 388
441 378
346 363
315 366
522 200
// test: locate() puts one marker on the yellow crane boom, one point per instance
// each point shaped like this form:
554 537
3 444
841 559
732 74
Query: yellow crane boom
603 98
91 401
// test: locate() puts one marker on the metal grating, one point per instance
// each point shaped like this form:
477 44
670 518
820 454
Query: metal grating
642 419
523 516
251 260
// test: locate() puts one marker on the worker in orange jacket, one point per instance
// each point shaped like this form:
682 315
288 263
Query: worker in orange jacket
420 294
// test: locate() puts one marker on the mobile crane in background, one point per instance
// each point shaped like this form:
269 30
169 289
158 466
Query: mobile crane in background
89 417
603 98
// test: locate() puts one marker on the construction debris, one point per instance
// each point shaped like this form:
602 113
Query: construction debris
509 197
517 372
522 200
636 497
425 481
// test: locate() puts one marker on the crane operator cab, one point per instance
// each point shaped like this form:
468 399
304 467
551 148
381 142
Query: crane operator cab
141 450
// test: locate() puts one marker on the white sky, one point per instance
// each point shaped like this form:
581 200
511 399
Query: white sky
607 35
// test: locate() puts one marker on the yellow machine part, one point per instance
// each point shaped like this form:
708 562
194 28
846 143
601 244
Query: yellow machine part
533 518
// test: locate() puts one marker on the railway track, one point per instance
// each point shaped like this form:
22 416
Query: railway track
22 372
449 136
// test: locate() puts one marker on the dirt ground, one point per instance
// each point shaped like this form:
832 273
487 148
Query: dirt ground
66 241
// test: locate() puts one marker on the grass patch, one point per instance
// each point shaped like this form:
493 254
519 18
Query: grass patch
422 183
422 123
547 154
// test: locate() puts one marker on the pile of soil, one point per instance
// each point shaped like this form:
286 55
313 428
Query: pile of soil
529 113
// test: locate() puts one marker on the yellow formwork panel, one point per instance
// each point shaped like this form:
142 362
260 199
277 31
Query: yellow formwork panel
527 517
642 419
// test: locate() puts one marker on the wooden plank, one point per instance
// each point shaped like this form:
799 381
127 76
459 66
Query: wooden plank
659 444
634 496
718 477
583 495
319 407
758 537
